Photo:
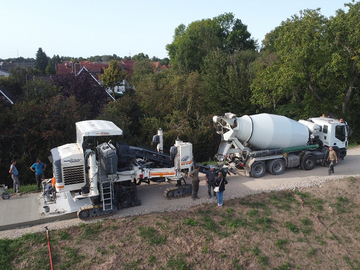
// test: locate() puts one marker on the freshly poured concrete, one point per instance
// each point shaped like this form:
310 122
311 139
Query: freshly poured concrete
28 209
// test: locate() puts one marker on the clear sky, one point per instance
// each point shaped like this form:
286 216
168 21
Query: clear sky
84 28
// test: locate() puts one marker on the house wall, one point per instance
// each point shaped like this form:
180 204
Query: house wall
4 73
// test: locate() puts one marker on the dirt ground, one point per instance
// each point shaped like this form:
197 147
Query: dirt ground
310 228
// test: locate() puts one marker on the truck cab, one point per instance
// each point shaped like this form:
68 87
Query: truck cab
333 132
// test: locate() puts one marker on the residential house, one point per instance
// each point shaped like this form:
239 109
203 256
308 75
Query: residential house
6 95
95 69
6 67
85 72
74 68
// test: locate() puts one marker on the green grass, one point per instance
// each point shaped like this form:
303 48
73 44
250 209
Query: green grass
209 224
236 264
72 257
177 262
281 243
282 224
151 235
19 250
306 222
63 235
342 205
283 200
292 227
25 188
263 260
259 205
284 266
205 249
7 248
316 204
152 260
311 252
354 264
352 145
134 265
190 222
91 231
253 213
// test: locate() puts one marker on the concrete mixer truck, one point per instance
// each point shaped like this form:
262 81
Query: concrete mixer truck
269 143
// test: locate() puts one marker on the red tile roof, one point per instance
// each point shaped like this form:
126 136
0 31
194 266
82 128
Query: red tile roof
97 68
69 67
128 65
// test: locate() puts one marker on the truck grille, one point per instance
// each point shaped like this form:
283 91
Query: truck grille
73 175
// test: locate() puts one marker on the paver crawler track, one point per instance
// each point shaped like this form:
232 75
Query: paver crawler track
90 212
178 191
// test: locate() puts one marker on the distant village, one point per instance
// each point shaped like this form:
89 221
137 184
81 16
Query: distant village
93 70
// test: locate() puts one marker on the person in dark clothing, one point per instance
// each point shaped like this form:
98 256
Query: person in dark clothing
220 182
210 180
195 182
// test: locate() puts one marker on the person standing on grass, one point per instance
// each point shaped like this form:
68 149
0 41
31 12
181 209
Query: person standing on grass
195 182
220 182
38 168
210 180
15 176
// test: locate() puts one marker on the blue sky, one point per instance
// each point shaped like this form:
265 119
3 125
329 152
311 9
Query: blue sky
83 28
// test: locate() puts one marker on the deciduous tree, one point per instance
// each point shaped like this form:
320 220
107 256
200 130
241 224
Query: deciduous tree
191 44
113 75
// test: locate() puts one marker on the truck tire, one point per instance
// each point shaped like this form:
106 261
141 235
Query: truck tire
258 169
276 166
325 162
308 162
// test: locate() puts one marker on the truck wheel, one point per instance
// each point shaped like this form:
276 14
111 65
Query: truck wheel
276 166
258 169
308 162
83 214
325 162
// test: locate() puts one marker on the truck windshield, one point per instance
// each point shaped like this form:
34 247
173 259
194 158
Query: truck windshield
340 132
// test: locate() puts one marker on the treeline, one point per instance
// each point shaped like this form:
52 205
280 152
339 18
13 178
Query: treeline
307 66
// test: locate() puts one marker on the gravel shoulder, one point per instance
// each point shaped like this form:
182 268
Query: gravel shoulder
152 198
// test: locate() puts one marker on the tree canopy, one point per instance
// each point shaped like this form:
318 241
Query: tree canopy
310 63
41 61
113 75
191 44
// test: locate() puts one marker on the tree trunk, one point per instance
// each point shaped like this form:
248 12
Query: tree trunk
348 93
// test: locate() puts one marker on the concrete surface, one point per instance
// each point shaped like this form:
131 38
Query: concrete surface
28 209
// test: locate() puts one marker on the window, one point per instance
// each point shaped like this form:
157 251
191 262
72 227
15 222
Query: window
340 132
325 129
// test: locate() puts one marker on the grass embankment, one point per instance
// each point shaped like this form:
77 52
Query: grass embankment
24 189
312 228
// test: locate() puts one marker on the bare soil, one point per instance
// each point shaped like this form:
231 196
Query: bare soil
310 228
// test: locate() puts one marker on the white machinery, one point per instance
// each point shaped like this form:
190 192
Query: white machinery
105 171
267 142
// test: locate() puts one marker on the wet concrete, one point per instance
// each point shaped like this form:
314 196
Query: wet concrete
28 209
